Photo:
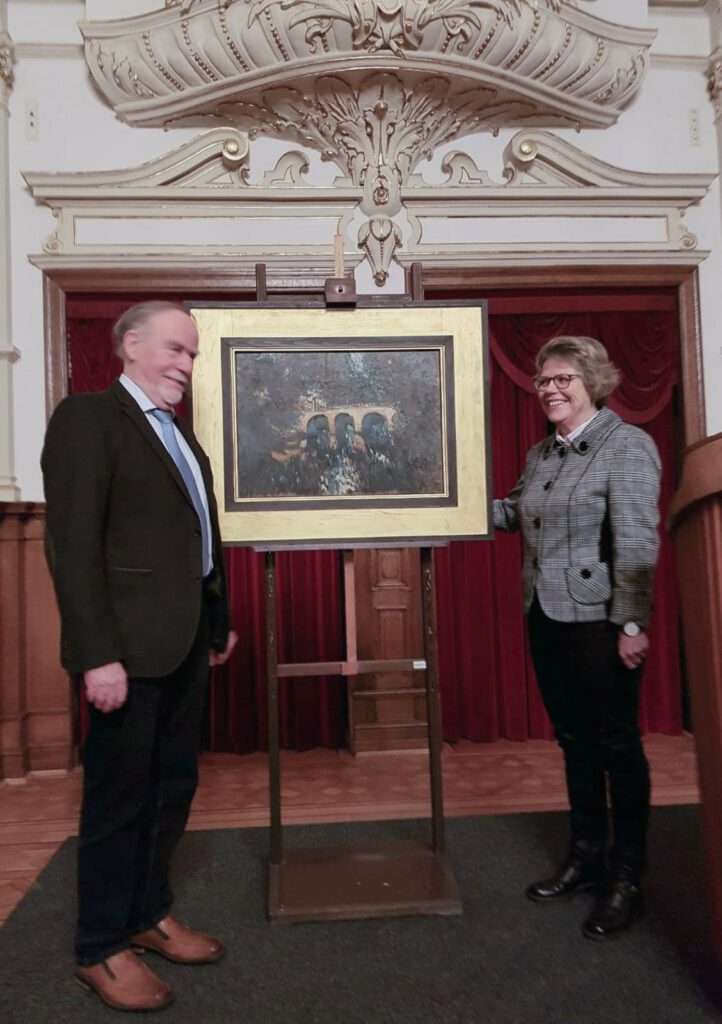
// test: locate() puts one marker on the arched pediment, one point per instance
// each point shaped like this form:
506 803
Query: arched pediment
571 204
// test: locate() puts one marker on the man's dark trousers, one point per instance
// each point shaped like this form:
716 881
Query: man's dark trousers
140 773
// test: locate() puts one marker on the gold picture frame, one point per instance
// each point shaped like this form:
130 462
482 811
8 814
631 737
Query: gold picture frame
344 427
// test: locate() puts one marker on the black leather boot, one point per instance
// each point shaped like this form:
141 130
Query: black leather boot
618 907
578 872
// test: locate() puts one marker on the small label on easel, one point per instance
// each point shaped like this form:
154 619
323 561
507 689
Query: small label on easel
419 664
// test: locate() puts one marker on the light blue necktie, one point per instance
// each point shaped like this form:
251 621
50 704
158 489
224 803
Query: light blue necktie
165 418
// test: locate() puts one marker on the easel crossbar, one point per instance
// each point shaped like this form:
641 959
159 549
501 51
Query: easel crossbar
350 668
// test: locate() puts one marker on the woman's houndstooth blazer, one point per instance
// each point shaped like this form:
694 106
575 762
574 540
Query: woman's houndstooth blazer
589 516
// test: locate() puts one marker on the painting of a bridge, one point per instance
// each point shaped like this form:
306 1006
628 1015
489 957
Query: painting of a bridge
327 421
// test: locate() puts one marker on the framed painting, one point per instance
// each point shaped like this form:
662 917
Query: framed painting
339 427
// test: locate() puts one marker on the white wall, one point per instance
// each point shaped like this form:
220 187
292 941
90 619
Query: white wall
78 131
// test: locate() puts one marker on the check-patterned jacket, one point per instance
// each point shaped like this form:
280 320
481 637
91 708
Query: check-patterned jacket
589 519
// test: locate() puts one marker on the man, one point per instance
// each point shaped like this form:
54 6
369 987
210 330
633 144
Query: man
134 550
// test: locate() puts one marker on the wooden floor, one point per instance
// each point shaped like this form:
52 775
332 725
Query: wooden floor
36 815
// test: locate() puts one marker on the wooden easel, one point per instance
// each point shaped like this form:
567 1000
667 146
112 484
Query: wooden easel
379 879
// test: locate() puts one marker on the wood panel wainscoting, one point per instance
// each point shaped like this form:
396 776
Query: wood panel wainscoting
697 523
36 712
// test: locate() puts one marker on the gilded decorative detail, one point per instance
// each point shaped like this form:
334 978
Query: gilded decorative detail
488 38
514 60
230 43
208 71
553 61
157 64
275 33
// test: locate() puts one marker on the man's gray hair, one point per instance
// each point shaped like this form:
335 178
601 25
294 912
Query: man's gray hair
139 315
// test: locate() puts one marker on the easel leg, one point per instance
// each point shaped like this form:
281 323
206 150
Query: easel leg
274 754
431 654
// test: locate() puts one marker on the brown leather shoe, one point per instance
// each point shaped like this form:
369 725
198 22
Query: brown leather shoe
182 945
125 983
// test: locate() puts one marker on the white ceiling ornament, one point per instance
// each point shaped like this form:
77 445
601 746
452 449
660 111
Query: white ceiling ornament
564 65
372 85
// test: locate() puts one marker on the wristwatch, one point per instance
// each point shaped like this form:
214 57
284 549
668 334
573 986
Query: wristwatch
631 629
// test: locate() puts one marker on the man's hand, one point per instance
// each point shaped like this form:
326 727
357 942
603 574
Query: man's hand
107 686
633 649
221 657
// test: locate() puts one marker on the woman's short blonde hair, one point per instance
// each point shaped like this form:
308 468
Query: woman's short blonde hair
599 373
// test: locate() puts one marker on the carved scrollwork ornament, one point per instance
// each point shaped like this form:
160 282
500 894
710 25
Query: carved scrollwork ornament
168 65
442 69
52 243
234 154
288 172
7 65
714 80
379 239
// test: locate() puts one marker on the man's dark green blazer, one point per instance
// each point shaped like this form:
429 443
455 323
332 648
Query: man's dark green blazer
123 540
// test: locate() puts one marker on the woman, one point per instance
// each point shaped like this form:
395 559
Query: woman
587 508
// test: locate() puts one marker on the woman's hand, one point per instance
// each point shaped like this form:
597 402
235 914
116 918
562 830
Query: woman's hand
633 649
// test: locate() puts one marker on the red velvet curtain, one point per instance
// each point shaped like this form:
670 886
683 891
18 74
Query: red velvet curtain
309 588
487 685
487 681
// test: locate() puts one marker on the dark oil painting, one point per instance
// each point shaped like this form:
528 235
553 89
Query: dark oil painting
324 420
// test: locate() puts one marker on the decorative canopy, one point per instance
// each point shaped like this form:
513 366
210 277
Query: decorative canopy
372 85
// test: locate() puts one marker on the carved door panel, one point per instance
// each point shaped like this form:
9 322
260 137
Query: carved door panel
387 711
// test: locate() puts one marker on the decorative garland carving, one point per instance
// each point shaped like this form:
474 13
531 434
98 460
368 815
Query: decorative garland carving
7 62
714 80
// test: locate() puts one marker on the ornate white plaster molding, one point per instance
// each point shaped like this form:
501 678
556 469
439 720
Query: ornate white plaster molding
372 85
504 60
562 63
544 184
7 63
714 81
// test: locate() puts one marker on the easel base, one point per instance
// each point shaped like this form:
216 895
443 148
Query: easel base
383 879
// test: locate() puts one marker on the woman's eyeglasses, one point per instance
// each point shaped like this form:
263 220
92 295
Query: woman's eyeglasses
559 380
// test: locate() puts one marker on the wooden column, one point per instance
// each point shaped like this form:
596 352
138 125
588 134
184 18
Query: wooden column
696 516
36 719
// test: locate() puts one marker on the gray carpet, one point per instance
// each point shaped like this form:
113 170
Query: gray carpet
505 961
